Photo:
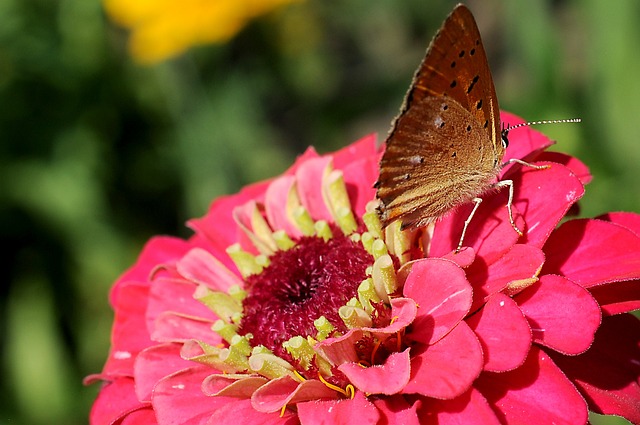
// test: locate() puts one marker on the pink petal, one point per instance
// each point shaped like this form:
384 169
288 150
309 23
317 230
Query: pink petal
591 252
490 233
308 154
309 177
248 238
358 410
242 413
563 315
359 177
172 327
520 263
178 398
617 297
338 350
404 311
443 294
174 295
284 391
503 332
574 164
388 378
153 364
361 148
446 369
544 197
144 416
200 267
535 393
129 335
397 410
629 220
218 226
276 204
523 141
607 374
238 386
157 251
115 401
464 258
466 409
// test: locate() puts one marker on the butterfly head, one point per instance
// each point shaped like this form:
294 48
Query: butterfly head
504 135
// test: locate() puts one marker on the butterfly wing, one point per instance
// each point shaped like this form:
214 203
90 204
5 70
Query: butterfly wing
427 169
436 166
456 65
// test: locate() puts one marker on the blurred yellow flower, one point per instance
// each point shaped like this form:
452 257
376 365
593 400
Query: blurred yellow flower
164 28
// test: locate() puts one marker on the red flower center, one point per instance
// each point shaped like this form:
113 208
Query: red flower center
314 278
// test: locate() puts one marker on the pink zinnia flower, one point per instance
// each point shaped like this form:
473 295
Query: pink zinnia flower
290 304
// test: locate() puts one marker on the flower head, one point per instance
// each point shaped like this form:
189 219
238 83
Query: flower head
166 28
291 303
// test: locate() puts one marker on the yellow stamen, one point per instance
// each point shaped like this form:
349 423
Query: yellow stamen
398 334
374 352
300 377
333 387
516 286
364 364
351 391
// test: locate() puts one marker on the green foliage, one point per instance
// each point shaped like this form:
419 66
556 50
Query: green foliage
98 154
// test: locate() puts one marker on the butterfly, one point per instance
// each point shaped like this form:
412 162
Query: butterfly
446 146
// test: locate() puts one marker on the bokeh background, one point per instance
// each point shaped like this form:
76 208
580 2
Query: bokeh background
106 141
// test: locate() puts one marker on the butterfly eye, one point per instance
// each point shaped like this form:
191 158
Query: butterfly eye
505 138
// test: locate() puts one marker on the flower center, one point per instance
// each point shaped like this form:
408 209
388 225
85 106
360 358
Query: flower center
313 279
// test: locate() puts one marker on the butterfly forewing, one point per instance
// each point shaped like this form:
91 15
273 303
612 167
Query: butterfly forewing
444 148
432 168
456 66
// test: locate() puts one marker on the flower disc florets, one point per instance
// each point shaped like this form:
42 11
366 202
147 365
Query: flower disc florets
311 280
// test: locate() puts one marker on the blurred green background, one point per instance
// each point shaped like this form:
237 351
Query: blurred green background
99 153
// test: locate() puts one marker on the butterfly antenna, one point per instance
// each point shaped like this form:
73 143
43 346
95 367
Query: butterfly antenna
524 124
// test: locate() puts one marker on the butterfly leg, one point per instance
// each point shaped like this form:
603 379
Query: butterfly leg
509 183
477 202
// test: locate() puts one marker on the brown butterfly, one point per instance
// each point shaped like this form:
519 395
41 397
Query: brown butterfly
446 146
